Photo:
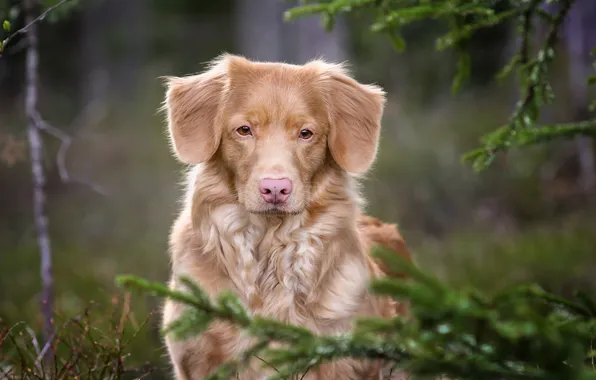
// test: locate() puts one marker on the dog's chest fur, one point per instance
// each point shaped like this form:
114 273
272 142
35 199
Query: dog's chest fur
278 266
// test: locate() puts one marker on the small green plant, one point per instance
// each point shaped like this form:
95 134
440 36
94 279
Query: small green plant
518 333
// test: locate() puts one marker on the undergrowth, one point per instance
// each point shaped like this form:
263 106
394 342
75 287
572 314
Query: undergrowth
94 344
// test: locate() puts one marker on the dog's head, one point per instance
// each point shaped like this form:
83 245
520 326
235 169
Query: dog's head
274 126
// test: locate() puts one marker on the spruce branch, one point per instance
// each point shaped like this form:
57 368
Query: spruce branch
536 92
465 18
506 137
519 333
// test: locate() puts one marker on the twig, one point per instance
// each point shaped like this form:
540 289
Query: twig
523 114
91 115
48 345
305 373
37 350
260 347
526 24
549 43
6 332
33 339
32 23
66 141
124 317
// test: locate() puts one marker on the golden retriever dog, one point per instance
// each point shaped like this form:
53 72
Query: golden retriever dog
272 210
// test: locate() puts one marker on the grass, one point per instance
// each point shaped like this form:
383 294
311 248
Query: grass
559 256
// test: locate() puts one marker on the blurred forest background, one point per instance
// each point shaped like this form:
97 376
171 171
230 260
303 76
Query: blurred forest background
529 217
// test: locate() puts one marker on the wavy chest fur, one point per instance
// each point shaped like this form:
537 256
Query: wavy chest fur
278 265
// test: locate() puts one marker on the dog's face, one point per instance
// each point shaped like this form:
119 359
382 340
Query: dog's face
274 126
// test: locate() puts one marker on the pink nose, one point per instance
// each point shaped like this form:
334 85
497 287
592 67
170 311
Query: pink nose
275 191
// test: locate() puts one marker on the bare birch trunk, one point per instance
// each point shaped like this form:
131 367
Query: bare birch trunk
36 151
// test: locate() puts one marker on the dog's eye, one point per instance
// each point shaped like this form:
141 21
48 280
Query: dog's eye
305 134
244 131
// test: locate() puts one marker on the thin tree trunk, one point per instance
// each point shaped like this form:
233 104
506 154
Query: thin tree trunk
93 54
311 41
130 19
36 151
580 39
259 29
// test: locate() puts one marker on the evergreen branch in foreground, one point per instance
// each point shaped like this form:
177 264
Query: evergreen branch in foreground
519 333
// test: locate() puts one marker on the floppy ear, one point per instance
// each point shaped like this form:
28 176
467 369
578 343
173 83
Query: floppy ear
192 105
355 112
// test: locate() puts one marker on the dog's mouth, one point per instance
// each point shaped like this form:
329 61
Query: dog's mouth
275 210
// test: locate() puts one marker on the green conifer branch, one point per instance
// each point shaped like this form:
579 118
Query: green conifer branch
464 19
507 137
519 333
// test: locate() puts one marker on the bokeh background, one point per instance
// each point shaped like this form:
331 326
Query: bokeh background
530 217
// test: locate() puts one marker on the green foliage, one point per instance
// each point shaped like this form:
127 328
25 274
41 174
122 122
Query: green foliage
433 347
464 18
513 134
520 332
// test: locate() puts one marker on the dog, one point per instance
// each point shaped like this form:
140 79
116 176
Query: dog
272 209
